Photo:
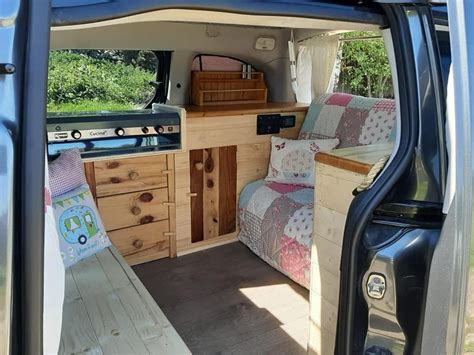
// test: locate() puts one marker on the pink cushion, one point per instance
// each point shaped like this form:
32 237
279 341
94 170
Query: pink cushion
66 172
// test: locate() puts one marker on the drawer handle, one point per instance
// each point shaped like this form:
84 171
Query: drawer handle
136 210
133 175
146 197
169 234
199 166
113 165
166 172
138 244
146 219
115 180
168 204
192 194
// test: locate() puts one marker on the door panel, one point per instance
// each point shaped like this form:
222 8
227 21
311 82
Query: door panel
24 43
392 228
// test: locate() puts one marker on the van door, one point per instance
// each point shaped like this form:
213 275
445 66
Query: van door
24 43
449 315
392 228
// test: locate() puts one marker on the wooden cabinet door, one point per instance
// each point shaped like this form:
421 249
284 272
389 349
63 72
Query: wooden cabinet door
213 175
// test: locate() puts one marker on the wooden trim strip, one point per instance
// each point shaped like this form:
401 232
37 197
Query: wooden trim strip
343 163
243 109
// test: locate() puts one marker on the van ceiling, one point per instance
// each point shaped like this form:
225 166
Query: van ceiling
70 12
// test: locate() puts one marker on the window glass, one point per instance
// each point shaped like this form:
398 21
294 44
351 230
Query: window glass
362 66
100 79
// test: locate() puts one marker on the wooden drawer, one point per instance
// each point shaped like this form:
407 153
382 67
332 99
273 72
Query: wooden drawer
134 208
134 174
143 243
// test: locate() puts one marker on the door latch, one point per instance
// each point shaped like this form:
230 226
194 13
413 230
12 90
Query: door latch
376 286
7 68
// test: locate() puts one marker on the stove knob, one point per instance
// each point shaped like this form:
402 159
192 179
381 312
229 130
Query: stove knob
119 131
76 134
145 130
159 129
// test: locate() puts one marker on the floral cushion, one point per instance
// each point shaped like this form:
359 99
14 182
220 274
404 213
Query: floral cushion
292 161
355 120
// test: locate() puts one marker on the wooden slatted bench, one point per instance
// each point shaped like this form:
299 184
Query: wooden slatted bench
107 310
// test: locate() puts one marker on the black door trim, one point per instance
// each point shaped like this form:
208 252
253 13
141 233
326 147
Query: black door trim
29 249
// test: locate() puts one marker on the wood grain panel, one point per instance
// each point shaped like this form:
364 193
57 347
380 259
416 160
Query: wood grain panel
252 163
196 171
356 159
134 208
222 131
329 223
193 111
126 175
89 171
107 310
333 196
211 193
227 189
143 243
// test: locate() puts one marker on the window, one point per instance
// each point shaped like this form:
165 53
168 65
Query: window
101 79
362 66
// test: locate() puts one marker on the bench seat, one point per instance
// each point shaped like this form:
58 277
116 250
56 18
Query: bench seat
107 310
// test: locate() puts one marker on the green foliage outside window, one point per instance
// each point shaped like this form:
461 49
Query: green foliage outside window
90 80
364 66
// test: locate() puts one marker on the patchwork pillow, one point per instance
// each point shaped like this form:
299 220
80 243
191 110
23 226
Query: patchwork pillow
80 228
66 172
292 161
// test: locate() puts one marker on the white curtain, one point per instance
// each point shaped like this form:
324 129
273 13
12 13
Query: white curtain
315 65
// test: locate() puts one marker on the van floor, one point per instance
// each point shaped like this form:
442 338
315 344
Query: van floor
227 300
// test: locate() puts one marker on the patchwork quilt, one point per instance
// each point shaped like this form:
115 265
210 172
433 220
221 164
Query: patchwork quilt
276 222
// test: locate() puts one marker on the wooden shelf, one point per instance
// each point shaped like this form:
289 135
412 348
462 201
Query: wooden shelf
226 88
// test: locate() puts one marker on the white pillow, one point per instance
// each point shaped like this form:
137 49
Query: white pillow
292 161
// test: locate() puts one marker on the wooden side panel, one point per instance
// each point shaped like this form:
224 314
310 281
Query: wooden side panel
134 208
227 189
252 163
183 200
196 171
333 195
134 174
90 177
222 131
172 204
211 193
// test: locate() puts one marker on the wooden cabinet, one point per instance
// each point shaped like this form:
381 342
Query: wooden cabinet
136 200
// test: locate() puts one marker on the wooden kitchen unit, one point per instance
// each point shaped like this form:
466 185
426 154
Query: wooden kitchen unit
338 173
163 204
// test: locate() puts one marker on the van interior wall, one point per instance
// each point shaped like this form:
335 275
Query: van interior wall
187 40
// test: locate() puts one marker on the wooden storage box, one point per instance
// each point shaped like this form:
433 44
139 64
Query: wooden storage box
225 88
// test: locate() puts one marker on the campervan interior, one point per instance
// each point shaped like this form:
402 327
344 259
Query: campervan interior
209 211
